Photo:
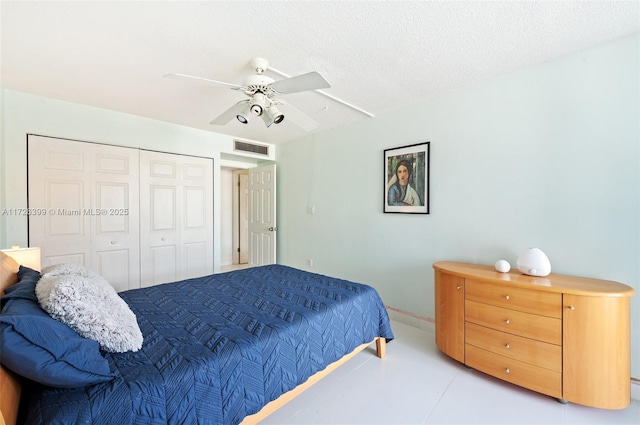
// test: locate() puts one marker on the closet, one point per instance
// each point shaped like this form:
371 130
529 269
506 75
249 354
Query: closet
136 217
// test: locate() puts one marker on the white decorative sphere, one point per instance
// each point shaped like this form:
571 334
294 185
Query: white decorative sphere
534 262
503 266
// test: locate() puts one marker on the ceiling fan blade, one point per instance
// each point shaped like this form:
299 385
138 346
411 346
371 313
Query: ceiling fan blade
297 117
206 80
310 81
230 113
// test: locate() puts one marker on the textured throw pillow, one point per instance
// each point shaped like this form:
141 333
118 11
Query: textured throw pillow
87 303
68 268
42 349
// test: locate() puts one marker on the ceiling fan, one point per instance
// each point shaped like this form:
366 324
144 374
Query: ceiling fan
263 93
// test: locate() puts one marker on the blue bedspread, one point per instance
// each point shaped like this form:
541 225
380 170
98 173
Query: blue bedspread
220 347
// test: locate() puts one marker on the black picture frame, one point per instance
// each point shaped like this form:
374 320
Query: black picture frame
412 162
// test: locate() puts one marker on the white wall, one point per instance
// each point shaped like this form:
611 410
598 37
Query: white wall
548 157
24 114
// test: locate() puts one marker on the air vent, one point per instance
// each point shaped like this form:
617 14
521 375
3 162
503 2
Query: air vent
251 148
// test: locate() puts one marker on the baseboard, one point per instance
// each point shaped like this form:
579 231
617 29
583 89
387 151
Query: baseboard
429 325
411 319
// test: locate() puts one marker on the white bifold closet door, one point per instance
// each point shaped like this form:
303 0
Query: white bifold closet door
176 216
86 195
136 217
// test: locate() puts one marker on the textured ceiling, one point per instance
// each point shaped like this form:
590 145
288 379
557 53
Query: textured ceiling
377 55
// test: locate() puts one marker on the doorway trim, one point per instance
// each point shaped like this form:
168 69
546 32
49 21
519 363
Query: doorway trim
240 216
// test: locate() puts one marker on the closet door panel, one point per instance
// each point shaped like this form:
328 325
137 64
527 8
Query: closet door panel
163 208
115 218
90 192
197 216
195 212
112 201
58 186
114 265
195 259
195 249
159 236
66 201
163 264
73 258
176 204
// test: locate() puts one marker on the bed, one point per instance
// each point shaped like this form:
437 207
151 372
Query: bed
228 348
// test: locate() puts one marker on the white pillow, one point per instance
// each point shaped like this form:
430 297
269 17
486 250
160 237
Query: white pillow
86 302
68 268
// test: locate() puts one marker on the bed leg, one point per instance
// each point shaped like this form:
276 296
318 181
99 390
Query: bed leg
381 347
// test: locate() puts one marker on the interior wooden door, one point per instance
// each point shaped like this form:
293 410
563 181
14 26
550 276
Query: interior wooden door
262 215
89 195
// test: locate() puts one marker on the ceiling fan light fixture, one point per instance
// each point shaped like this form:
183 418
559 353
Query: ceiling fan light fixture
272 115
244 115
258 103
256 110
261 89
278 118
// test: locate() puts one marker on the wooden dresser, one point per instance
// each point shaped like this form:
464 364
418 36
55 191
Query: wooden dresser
564 336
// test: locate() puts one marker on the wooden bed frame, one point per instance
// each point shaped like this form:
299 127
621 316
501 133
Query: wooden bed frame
10 386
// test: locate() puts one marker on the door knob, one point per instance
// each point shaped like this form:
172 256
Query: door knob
273 229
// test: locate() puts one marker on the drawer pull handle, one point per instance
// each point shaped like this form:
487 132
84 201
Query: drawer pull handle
507 321
507 370
506 297
458 287
507 346
571 307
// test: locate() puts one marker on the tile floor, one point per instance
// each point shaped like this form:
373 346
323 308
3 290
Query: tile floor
232 267
416 384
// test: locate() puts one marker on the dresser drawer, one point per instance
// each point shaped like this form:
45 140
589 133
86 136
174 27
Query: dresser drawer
506 296
535 378
528 325
537 353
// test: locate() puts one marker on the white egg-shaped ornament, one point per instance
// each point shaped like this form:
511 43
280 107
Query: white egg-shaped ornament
534 262
503 266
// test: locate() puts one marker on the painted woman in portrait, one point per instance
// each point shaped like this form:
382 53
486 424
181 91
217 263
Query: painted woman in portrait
400 192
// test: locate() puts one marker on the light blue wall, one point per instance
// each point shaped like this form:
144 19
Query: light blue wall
548 157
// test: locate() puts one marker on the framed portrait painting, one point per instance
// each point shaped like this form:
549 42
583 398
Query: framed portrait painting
406 179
